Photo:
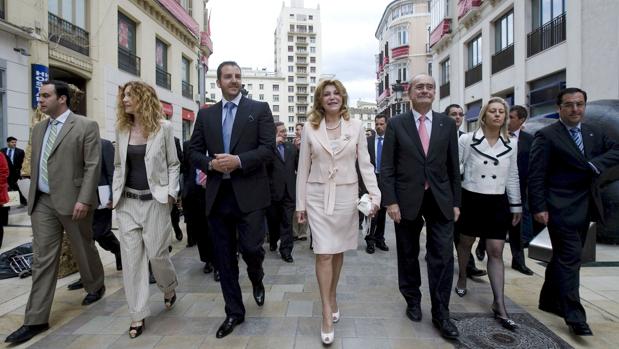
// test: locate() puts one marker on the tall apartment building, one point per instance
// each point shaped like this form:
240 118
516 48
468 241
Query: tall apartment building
298 58
97 46
403 52
524 51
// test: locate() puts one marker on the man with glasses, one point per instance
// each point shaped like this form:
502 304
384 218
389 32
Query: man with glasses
567 158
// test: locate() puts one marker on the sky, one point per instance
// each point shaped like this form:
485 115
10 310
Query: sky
243 30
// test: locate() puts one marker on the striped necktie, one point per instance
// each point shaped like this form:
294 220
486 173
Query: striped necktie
51 139
577 137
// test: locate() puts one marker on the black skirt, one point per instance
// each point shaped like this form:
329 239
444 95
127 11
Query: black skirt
484 215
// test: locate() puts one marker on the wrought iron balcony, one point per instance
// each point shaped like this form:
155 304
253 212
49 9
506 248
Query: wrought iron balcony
163 78
68 34
546 36
472 75
187 90
503 59
128 62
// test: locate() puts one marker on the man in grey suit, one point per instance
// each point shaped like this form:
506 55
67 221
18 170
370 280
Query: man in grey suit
66 156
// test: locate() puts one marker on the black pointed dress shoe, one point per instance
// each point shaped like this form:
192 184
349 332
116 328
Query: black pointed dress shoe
381 245
413 312
151 278
25 333
370 248
522 268
447 328
474 272
259 294
228 326
93 297
287 257
75 285
208 268
580 329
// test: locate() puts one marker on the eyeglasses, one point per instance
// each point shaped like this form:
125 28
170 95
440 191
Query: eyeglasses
578 105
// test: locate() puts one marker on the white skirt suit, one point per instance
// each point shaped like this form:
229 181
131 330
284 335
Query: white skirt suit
327 184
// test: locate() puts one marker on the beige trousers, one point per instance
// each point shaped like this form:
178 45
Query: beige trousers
145 231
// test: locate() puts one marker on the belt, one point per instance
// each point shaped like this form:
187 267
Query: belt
142 197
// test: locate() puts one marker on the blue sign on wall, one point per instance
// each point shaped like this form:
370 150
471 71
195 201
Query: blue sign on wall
40 73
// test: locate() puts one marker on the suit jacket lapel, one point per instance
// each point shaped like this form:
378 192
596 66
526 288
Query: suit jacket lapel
411 129
564 135
436 133
323 139
346 134
68 125
240 119
587 139
150 141
37 146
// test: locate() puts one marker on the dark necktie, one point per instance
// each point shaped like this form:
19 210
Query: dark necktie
577 137
280 148
379 153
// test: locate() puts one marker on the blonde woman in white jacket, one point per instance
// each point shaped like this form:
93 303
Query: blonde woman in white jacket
490 198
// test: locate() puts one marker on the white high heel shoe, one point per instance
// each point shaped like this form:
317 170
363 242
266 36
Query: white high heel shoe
327 338
336 316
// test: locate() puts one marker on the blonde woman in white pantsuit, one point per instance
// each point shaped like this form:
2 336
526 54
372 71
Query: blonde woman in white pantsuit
145 186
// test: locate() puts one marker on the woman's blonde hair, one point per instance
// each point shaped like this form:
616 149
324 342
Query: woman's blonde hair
147 108
482 116
317 113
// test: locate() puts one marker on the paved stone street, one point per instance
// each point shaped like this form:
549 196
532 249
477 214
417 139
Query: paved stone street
371 306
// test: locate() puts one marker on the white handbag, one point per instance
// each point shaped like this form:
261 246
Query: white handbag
364 205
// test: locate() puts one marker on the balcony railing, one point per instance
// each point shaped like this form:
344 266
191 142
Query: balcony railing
163 78
443 90
128 62
467 6
546 36
68 34
401 51
472 75
187 90
441 30
503 59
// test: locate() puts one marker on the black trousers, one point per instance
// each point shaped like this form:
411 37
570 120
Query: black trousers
377 226
226 221
279 221
560 292
102 230
439 252
175 216
198 232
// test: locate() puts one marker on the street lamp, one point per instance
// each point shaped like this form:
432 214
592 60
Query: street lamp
398 89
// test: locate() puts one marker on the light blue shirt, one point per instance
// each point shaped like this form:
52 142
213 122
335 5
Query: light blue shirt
428 122
42 186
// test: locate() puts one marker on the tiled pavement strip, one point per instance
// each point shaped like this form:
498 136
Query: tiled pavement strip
371 306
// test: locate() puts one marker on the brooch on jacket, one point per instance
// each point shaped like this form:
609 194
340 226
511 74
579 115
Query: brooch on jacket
347 137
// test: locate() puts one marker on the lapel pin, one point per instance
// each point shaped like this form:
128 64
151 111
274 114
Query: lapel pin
251 118
591 134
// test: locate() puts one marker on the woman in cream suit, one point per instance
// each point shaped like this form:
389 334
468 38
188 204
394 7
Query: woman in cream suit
490 198
145 186
327 189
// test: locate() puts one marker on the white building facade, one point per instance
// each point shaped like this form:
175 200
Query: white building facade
524 51
403 52
364 112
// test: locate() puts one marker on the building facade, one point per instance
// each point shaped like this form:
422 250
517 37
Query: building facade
524 51
364 112
99 45
403 52
298 58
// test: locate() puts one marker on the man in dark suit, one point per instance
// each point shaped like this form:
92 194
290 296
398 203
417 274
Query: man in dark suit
517 116
283 179
420 179
102 218
456 112
566 159
376 236
16 159
238 135
175 214
194 209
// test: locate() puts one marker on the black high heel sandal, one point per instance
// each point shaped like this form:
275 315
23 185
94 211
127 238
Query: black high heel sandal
136 331
507 323
460 291
169 302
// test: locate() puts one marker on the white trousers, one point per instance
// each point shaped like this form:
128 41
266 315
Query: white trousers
145 232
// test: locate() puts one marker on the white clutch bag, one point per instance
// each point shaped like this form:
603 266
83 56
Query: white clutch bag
364 205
